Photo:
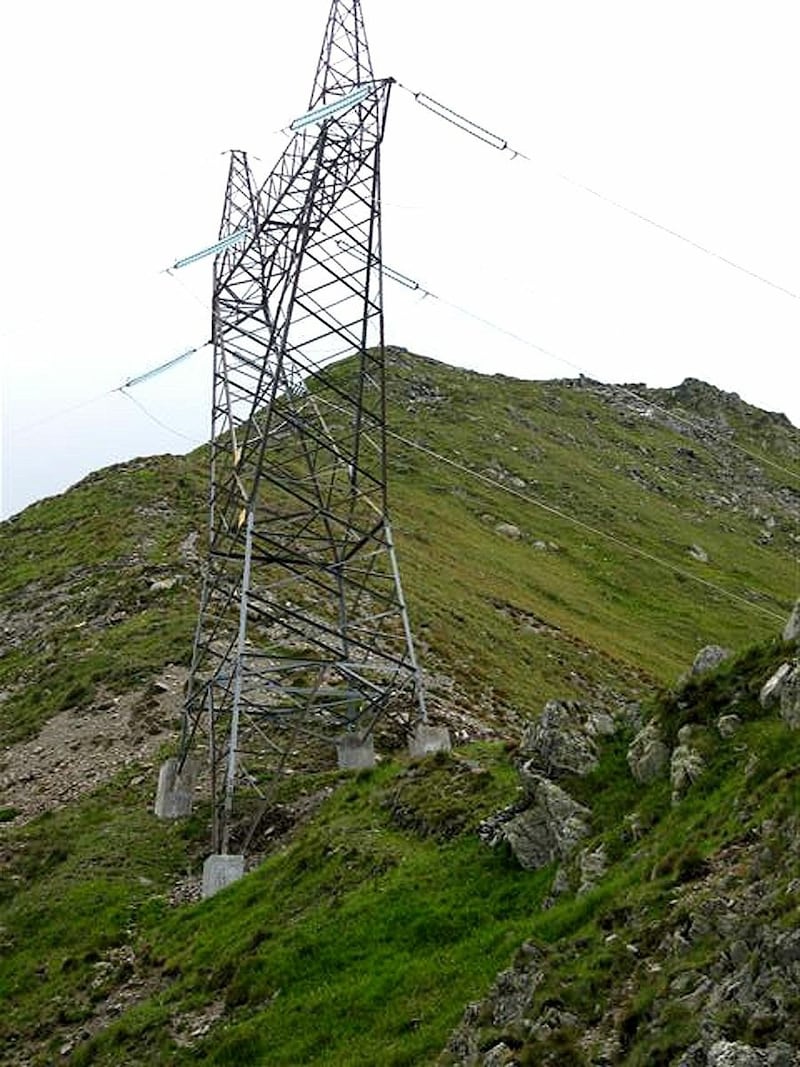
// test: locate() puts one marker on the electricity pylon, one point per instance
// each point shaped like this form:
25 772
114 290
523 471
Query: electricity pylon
303 640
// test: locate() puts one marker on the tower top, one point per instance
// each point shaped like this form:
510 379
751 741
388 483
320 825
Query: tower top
344 62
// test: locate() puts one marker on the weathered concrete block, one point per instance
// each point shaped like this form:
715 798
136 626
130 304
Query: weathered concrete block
175 788
221 871
427 740
355 753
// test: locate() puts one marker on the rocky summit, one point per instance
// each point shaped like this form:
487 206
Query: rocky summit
605 869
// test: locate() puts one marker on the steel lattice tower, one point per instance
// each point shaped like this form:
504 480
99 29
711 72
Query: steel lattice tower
303 636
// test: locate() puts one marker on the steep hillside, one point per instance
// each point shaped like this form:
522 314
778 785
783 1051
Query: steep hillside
563 540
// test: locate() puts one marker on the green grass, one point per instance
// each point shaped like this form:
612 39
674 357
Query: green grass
362 938
361 941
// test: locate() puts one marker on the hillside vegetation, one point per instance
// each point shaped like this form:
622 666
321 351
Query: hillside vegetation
563 540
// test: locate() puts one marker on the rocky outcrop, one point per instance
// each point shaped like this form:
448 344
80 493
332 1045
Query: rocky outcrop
782 690
506 1005
648 755
686 764
725 953
509 530
547 825
563 741
592 864
745 978
735 1054
771 691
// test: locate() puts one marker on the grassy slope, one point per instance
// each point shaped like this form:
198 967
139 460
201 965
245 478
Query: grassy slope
359 924
362 939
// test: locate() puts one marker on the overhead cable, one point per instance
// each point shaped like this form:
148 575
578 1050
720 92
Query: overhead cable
410 283
154 418
480 134
566 517
595 530
131 382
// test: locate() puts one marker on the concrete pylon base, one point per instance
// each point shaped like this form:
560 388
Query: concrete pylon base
175 789
220 871
427 740
355 753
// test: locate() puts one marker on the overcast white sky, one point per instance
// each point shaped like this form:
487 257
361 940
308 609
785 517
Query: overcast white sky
115 116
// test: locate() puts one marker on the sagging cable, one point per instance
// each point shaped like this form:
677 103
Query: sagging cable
487 137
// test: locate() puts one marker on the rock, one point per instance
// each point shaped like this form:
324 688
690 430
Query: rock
771 692
506 1004
694 1056
593 866
547 826
699 553
509 530
781 1054
634 825
497 1056
791 631
686 733
686 766
734 1054
727 725
560 884
648 755
600 724
708 658
163 585
559 744
188 547
790 699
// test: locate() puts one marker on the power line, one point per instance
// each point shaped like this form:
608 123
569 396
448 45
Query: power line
137 380
585 526
471 128
596 531
154 418
412 284
64 411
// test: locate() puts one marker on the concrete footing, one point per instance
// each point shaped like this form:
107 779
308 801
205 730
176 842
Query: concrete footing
427 740
355 753
175 789
220 871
